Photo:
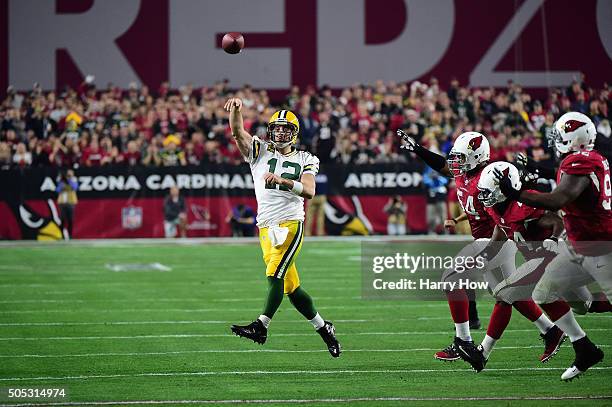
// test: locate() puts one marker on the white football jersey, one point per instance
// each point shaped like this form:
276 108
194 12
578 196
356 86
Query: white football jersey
277 204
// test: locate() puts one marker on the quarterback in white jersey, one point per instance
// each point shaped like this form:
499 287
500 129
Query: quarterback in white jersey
283 177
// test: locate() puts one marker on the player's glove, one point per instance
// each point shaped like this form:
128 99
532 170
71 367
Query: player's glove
505 185
527 175
409 143
551 244
435 161
520 160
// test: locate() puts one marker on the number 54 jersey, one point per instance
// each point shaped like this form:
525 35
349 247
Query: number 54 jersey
276 204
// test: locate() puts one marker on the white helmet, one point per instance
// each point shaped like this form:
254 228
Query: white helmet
573 131
490 194
470 150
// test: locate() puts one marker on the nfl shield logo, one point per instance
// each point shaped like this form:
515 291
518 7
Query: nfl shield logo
131 217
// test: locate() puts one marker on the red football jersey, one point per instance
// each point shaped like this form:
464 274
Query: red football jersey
467 194
519 223
589 217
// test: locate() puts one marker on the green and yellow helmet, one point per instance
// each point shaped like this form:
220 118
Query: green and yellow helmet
287 119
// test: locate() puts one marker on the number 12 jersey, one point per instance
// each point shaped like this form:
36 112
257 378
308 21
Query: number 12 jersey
275 203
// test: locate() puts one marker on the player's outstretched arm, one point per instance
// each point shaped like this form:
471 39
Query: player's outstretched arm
243 139
527 165
570 187
435 161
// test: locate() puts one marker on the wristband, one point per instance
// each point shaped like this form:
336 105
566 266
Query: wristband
298 188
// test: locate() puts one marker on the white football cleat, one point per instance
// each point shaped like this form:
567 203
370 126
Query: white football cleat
571 373
587 355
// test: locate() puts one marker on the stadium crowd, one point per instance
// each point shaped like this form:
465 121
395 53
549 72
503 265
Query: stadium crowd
187 126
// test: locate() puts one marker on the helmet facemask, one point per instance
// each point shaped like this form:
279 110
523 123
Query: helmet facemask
555 140
282 134
490 193
457 163
490 197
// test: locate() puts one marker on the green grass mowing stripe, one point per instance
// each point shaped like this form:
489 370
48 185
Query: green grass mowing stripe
331 401
367 321
174 322
262 351
207 309
200 300
288 334
286 372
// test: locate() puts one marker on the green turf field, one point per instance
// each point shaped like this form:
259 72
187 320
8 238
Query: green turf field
68 321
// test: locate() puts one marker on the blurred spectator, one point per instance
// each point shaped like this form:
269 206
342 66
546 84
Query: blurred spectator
132 156
315 209
324 138
362 154
436 200
171 155
93 155
175 215
152 157
603 142
5 156
66 188
242 221
395 209
412 126
22 157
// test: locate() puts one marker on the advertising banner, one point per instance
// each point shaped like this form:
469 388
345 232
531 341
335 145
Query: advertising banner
124 202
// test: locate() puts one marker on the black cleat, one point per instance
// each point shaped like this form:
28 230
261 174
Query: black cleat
587 355
475 324
472 310
553 339
470 353
328 333
255 331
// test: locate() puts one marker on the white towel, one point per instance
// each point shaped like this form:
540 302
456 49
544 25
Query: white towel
278 235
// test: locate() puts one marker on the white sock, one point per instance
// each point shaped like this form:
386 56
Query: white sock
462 330
264 320
317 321
568 324
487 345
543 324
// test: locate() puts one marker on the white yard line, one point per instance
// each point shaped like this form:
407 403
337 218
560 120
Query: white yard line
286 372
197 322
395 333
153 299
220 309
187 352
130 243
309 401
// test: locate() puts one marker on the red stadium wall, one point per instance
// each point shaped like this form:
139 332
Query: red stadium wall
480 42
103 218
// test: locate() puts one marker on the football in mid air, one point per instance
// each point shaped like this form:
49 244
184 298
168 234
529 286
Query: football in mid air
232 42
